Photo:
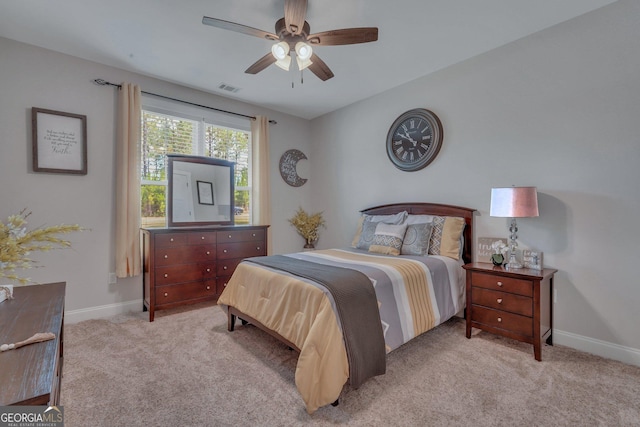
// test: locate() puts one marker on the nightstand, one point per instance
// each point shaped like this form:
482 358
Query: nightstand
512 303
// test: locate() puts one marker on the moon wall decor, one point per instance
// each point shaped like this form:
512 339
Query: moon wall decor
288 171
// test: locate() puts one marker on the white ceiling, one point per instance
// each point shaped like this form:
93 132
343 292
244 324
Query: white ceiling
166 39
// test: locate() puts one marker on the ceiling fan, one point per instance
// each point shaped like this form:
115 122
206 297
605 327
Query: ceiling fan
292 34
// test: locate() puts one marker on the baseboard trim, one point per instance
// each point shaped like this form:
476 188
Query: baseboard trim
606 349
101 311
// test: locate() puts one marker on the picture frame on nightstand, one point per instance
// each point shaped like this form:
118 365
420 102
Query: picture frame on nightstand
532 259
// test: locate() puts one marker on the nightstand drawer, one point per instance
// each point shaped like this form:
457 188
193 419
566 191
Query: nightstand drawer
503 320
512 303
501 283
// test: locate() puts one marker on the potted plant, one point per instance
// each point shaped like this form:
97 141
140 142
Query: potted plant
307 226
500 250
16 243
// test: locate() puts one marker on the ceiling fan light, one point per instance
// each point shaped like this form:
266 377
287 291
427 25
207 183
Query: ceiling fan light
303 51
280 50
303 63
284 63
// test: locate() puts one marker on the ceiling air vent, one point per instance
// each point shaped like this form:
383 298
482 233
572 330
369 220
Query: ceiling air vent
228 88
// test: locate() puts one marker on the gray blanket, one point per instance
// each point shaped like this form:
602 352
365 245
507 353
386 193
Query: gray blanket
356 306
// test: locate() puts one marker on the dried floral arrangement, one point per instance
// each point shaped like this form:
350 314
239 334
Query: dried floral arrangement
307 225
16 243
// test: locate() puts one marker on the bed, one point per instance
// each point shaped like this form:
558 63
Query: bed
344 309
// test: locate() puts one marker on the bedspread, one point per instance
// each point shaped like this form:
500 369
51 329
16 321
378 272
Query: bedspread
414 295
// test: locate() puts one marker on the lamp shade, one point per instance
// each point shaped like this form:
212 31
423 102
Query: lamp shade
514 202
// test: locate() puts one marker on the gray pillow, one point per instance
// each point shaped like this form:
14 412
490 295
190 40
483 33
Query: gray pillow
367 234
416 239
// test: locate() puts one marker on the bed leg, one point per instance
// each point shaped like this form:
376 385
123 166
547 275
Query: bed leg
231 321
336 403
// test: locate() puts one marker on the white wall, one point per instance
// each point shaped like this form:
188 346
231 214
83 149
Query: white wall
558 110
34 77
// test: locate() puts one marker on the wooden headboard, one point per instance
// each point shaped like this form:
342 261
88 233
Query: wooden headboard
433 209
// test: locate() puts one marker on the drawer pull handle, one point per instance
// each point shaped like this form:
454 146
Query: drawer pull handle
208 287
171 239
166 256
225 251
225 284
166 294
208 270
208 253
202 237
254 235
500 284
224 268
166 275
229 235
258 248
499 300
499 319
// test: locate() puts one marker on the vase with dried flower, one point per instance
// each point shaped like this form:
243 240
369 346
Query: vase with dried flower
307 226
16 243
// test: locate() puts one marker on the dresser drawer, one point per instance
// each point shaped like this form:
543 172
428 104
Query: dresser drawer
513 303
185 291
201 237
241 249
185 255
185 273
503 320
171 239
240 236
226 267
500 283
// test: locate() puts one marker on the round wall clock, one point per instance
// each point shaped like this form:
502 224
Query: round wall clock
288 171
414 139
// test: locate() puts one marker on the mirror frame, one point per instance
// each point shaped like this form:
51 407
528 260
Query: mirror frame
205 161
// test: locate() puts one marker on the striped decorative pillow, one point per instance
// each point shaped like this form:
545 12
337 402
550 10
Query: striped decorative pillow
388 239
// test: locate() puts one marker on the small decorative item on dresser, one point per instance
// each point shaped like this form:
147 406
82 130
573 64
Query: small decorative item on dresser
532 259
307 226
6 292
16 243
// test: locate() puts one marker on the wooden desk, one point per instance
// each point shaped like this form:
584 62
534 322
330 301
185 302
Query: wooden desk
31 375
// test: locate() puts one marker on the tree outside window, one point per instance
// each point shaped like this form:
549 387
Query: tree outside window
163 134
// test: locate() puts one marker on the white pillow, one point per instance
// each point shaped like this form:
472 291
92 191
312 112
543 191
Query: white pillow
398 218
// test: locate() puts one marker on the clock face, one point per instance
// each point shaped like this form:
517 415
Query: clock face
414 139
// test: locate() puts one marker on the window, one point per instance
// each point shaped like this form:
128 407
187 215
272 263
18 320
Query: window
164 133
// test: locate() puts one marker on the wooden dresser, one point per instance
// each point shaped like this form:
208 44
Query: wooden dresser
512 303
31 375
187 265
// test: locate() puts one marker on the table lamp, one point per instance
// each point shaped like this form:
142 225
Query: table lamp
514 202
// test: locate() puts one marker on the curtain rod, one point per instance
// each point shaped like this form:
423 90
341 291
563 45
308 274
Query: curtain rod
102 82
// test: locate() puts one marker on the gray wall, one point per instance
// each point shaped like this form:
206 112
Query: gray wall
558 110
35 77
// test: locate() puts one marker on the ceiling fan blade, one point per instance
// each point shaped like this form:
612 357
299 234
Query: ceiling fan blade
295 12
261 64
344 36
319 68
238 28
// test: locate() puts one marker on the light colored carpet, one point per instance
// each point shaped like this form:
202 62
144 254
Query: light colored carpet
185 369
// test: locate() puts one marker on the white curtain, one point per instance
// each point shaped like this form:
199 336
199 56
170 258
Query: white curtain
128 259
261 188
